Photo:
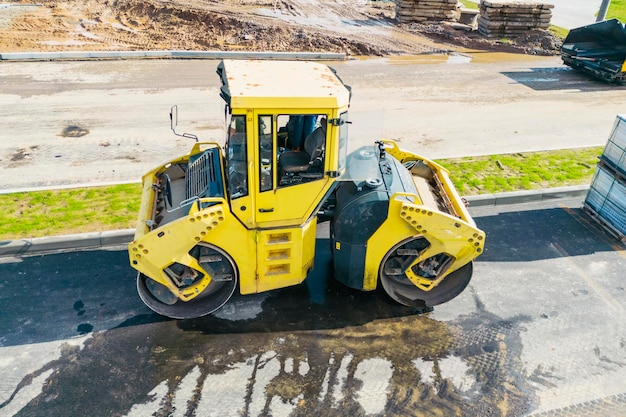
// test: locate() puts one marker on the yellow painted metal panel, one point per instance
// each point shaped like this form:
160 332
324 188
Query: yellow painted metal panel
158 249
285 255
446 233
291 205
442 174
149 179
283 84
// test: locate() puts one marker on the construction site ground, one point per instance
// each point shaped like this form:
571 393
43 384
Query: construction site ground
354 27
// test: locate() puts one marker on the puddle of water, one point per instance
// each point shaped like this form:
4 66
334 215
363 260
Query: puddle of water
464 56
536 80
74 131
429 59
459 59
483 57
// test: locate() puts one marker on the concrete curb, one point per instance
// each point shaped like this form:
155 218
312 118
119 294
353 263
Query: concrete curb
122 237
517 197
66 242
112 55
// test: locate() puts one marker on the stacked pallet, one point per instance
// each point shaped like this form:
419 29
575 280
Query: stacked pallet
606 199
512 18
409 11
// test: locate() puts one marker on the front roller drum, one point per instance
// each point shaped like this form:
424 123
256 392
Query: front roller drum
401 289
224 277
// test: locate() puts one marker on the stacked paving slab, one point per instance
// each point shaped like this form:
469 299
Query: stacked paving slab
512 18
409 11
606 199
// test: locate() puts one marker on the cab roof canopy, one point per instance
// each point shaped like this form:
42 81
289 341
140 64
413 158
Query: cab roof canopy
281 84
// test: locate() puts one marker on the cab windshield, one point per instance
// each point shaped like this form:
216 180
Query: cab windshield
236 159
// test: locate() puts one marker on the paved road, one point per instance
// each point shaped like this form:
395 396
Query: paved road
86 122
539 332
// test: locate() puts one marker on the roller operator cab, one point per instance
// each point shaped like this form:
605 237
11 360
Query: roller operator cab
244 217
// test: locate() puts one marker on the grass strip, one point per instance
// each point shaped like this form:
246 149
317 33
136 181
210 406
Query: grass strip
58 212
617 10
92 209
522 171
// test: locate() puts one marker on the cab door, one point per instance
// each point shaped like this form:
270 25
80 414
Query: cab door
240 168
286 230
286 199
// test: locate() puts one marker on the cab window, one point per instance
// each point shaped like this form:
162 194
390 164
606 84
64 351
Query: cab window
266 154
236 158
302 143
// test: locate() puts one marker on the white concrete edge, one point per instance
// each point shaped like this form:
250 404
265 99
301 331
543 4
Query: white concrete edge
66 186
87 55
97 240
527 196
48 244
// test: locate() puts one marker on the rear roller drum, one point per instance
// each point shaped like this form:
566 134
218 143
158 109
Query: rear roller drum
401 289
218 264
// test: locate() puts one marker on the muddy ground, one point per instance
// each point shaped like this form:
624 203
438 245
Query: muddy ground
354 27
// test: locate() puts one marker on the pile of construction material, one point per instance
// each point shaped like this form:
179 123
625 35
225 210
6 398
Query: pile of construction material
409 11
512 18
606 199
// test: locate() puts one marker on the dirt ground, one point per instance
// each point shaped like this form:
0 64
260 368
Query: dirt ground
354 27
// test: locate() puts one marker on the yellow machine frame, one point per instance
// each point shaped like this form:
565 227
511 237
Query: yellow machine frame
268 233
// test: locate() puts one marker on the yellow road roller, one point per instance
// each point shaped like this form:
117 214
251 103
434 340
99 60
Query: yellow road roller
244 217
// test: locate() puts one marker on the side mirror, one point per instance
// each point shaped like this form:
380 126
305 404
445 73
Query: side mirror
174 123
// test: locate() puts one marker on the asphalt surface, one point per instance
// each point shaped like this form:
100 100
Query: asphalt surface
538 332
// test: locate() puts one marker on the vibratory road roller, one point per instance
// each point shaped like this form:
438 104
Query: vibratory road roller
243 217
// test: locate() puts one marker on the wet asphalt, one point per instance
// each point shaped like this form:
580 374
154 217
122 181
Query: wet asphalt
538 332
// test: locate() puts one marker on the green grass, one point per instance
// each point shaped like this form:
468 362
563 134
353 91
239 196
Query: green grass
47 213
617 10
56 212
558 31
522 171
470 4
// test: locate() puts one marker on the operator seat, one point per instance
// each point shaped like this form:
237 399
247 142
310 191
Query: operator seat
295 162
